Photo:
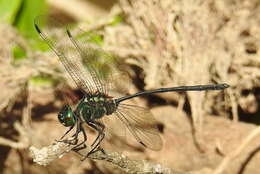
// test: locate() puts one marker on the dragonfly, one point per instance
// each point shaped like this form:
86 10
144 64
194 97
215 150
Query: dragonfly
97 105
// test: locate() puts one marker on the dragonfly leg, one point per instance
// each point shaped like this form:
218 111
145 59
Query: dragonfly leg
77 147
73 141
98 149
66 132
75 135
91 152
100 128
60 140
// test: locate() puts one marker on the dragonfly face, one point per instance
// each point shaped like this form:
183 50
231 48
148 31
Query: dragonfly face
66 116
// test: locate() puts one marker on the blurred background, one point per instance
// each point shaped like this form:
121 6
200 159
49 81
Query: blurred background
162 43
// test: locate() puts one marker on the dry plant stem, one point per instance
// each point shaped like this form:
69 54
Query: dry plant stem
23 131
225 162
132 166
47 154
234 105
73 8
26 119
10 143
24 141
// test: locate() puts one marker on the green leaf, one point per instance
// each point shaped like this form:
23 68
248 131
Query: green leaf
38 44
97 39
25 20
42 80
116 20
9 10
91 37
18 52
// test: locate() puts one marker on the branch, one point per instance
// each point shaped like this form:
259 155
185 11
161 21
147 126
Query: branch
23 139
47 154
229 158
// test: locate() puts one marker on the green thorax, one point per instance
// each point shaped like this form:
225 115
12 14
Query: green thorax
95 107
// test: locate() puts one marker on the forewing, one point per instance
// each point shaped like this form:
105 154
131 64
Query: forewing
141 124
106 70
120 82
93 57
61 41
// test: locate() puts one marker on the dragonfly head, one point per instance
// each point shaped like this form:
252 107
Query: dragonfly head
66 116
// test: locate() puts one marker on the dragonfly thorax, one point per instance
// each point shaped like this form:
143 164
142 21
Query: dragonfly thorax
95 107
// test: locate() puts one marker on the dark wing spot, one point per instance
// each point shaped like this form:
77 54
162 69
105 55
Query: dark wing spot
37 28
142 144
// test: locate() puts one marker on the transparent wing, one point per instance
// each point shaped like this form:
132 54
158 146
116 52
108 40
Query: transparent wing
113 126
104 67
95 59
141 124
119 84
70 52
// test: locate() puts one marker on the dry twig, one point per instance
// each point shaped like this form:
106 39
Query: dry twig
47 154
22 143
228 159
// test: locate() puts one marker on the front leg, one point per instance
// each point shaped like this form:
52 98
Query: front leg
73 141
60 140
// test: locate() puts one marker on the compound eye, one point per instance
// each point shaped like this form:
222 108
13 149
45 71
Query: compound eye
66 116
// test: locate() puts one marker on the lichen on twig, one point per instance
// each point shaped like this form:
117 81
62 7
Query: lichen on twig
49 153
